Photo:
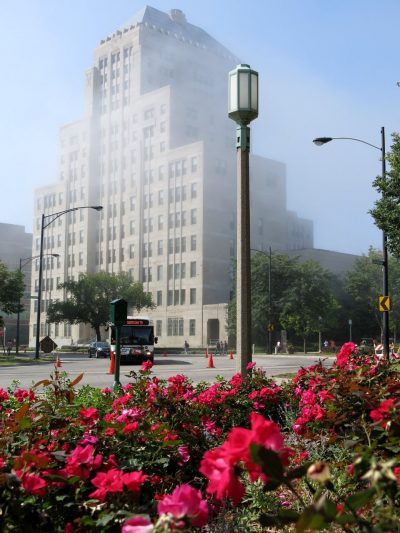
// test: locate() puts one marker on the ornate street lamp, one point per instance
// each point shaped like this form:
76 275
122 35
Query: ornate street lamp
46 221
319 141
22 263
243 108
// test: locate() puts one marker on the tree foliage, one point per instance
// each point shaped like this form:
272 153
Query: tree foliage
387 209
300 294
11 289
88 299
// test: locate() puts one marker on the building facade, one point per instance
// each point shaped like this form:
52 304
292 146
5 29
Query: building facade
15 252
156 149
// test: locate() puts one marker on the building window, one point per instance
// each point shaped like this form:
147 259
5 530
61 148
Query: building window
131 251
194 164
160 247
192 327
193 269
162 146
183 297
183 270
170 271
158 328
193 216
177 245
160 222
159 297
161 173
148 114
169 301
161 197
176 297
159 272
193 190
183 244
175 327
193 243
170 246
192 296
177 271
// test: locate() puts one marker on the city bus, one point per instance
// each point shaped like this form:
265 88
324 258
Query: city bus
137 340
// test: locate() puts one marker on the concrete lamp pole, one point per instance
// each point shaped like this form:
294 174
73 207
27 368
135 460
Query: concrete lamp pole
319 141
243 108
22 263
46 221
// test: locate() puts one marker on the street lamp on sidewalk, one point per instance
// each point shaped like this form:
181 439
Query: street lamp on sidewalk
319 141
22 263
243 108
46 221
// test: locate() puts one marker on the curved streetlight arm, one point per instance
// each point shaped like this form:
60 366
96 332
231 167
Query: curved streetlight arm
54 216
24 261
319 141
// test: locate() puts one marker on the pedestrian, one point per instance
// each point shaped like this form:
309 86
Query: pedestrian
326 346
9 346
186 346
218 347
278 347
226 347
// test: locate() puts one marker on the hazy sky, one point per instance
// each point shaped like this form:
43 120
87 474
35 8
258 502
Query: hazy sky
327 68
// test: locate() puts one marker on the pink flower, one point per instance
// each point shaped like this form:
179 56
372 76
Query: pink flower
82 461
250 366
383 410
3 395
106 390
137 524
184 453
106 482
130 428
90 414
185 502
343 357
133 480
32 483
146 366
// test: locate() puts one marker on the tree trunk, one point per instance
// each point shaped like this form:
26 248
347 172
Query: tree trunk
304 345
97 330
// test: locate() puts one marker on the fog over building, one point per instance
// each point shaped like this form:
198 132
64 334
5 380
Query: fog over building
156 148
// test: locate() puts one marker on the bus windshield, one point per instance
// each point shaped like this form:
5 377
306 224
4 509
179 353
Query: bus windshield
135 335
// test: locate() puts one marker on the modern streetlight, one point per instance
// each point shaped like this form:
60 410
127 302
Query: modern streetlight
243 108
46 221
22 263
385 319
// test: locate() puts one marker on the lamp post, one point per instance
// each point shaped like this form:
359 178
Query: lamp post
243 108
385 288
350 328
46 221
22 263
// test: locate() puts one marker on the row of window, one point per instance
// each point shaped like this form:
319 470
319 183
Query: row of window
176 245
175 271
175 220
175 327
176 297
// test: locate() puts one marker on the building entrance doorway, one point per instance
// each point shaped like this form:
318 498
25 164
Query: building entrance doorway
212 331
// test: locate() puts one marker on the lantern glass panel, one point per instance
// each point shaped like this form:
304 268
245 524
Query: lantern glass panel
244 90
254 92
233 93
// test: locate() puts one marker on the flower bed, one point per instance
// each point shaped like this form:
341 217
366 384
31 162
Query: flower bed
237 455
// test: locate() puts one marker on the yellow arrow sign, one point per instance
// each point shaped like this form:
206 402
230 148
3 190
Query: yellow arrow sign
384 303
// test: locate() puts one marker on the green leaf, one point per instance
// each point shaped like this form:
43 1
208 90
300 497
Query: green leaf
310 519
298 472
269 462
359 499
105 519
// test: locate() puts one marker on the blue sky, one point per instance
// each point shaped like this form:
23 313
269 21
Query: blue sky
326 69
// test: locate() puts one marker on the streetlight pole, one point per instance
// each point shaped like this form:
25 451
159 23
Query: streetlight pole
243 108
22 263
319 141
46 221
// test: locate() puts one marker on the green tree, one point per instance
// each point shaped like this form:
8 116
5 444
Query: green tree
387 209
308 301
283 270
364 284
11 289
88 299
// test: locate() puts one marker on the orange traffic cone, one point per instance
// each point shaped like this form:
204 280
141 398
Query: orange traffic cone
230 355
58 362
210 361
111 369
206 354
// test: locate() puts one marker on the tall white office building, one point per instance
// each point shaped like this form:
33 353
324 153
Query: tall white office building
155 147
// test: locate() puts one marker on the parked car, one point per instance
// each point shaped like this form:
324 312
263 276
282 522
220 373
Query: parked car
99 349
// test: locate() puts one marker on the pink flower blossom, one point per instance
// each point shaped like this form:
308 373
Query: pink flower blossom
82 461
185 502
250 366
146 366
106 390
106 482
3 395
137 524
32 483
134 480
184 453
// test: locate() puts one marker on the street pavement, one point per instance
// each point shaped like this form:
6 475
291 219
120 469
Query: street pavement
195 367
